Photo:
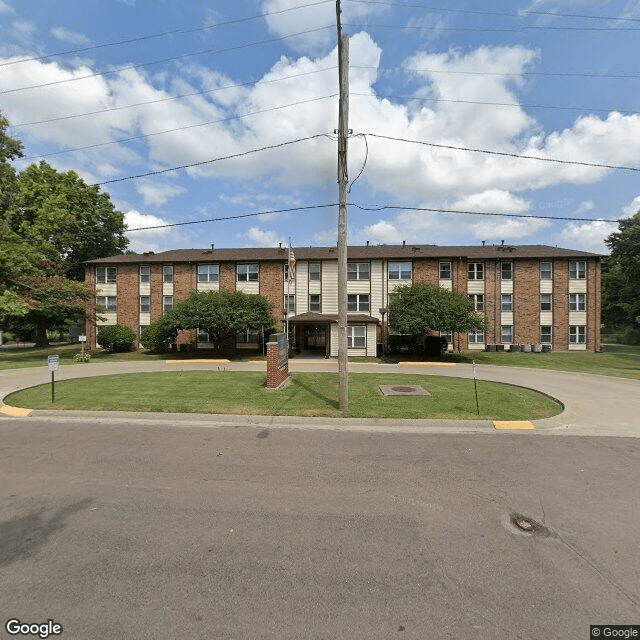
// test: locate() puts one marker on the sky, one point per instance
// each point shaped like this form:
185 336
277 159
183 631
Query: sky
219 118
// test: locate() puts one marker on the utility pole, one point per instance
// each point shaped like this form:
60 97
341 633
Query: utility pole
343 132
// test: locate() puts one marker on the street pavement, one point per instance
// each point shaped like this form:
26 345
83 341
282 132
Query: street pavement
593 404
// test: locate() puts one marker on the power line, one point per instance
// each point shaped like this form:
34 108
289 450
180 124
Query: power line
212 160
236 217
163 34
405 27
183 128
172 58
624 76
496 104
503 153
522 14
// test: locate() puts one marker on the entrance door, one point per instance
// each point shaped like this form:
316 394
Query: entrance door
315 337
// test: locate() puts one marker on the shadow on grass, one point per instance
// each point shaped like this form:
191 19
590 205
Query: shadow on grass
332 402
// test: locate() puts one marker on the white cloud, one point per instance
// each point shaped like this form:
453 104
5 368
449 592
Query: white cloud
492 200
588 236
158 193
67 35
148 239
5 7
632 208
23 27
381 232
262 238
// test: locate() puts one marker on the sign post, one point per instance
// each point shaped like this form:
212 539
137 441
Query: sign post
53 363
82 339
475 386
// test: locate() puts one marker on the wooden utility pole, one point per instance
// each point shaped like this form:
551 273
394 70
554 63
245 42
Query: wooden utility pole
343 132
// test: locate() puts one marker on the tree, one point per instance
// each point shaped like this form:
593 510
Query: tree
116 337
51 222
621 278
220 314
417 309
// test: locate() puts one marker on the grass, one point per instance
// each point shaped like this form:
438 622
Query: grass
310 394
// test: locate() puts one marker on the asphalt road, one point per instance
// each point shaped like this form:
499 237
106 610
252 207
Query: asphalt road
188 531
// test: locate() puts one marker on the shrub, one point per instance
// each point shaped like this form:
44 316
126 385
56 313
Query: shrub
116 337
83 356
159 335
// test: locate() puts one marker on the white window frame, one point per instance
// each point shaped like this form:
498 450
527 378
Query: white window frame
358 271
145 304
577 302
400 270
504 333
314 304
248 272
546 302
357 337
290 302
478 301
110 303
358 301
577 334
167 273
476 337
167 303
577 269
444 267
106 275
506 302
475 271
248 336
509 275
145 273
544 334
546 273
313 272
212 273
202 336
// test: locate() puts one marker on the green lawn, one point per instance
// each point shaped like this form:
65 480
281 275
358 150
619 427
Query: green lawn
310 394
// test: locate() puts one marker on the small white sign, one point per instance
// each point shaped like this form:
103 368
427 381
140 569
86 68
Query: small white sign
82 338
53 362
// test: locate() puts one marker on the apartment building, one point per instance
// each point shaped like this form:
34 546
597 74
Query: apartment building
530 294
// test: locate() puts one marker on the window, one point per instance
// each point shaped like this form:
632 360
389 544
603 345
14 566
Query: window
358 302
546 270
546 302
250 336
506 333
445 270
290 303
109 303
145 273
448 335
247 272
577 334
145 304
577 302
506 302
545 334
208 272
399 271
167 273
315 271
356 337
476 271
577 269
203 336
507 271
476 337
357 271
478 301
315 303
167 303
106 275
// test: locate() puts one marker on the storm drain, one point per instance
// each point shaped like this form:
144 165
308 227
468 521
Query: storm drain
529 525
403 390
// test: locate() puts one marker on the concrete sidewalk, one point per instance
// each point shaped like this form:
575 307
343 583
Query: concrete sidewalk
594 405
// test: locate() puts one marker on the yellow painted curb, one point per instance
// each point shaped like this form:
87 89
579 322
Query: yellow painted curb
427 364
200 361
513 424
15 411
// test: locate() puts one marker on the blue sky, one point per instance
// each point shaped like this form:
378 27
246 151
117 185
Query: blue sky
200 81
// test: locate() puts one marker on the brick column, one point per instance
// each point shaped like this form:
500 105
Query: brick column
526 302
277 376
90 317
561 305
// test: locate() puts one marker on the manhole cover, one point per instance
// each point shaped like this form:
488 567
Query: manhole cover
528 525
403 390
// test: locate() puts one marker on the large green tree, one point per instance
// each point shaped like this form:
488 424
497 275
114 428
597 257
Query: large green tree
51 222
417 309
621 278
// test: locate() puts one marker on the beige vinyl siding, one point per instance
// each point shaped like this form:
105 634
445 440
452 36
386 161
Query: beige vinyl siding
167 289
206 286
145 318
448 285
546 286
546 318
145 289
107 290
251 287
506 286
578 286
473 286
578 318
330 288
302 287
376 301
506 317
372 340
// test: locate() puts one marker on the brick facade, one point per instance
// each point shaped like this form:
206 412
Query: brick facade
525 286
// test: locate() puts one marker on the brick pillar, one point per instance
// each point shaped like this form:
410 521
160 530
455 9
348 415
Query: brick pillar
425 271
561 305
277 375
129 296
526 302
492 300
227 276
156 292
594 285
272 287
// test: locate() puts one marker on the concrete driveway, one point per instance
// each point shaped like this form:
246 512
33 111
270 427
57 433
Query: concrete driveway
594 405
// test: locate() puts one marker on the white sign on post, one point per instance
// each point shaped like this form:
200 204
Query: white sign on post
53 363
82 338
